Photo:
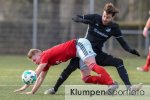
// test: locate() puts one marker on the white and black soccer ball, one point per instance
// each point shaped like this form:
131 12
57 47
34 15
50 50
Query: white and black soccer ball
29 77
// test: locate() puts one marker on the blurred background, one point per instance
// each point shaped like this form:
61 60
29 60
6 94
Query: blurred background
26 24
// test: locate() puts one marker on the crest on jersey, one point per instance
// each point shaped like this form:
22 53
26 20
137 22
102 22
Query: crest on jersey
96 24
108 29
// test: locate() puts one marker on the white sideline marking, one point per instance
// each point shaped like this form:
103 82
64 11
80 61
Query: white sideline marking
5 76
22 85
20 76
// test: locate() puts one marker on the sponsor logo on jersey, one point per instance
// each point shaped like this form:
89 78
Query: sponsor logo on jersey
108 29
100 33
96 24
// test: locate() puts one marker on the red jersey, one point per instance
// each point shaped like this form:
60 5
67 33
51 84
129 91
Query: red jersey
59 53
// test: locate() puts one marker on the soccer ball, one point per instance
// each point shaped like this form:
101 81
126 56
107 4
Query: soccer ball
29 77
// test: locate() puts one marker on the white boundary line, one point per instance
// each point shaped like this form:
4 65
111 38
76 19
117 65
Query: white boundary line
84 85
1 85
20 76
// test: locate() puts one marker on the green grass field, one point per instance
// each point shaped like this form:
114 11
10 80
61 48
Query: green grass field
11 68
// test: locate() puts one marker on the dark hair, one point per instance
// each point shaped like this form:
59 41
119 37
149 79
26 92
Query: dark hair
110 9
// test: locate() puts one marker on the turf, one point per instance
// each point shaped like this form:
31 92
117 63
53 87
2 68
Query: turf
11 68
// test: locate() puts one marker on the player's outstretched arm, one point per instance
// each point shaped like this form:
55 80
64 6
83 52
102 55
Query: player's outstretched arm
81 19
24 87
38 83
40 78
126 47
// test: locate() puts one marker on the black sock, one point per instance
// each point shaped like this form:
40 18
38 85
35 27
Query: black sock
61 80
124 75
73 65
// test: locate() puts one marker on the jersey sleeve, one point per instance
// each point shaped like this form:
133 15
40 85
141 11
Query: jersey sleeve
88 17
46 68
117 32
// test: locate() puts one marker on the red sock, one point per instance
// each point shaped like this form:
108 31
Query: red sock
104 76
146 67
94 80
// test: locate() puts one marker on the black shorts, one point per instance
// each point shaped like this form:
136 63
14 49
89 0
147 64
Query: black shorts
105 59
102 59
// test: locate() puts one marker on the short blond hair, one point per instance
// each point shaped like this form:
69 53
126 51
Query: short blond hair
32 52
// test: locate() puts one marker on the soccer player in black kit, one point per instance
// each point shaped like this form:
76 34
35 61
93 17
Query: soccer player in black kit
100 29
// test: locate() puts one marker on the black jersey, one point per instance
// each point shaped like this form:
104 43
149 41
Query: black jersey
98 33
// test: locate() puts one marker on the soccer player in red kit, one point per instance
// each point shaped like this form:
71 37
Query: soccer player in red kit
145 68
61 53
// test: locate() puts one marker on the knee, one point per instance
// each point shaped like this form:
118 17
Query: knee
118 62
90 62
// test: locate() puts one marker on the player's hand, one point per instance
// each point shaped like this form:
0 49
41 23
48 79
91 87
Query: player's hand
77 19
24 87
19 90
133 51
26 93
